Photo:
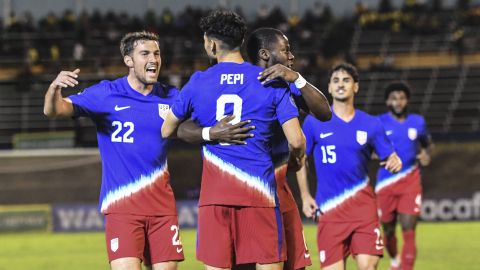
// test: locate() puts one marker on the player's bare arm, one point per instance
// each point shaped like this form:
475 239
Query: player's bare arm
223 131
170 125
296 140
55 105
425 155
315 100
309 206
393 163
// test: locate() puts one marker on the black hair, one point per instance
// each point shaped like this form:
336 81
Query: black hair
226 26
262 38
129 41
350 69
397 86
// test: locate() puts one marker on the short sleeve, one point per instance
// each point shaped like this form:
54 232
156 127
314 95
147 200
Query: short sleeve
309 134
89 101
382 145
286 108
294 90
182 107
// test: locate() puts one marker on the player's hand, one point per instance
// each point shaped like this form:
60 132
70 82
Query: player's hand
309 205
66 79
424 158
393 163
277 71
225 132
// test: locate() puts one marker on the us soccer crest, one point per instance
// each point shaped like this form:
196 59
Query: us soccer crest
361 137
163 110
412 133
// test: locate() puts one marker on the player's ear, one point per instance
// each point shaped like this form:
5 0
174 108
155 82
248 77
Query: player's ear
264 54
213 48
355 89
127 59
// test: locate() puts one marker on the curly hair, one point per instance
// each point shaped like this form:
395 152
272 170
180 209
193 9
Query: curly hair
226 26
128 42
397 86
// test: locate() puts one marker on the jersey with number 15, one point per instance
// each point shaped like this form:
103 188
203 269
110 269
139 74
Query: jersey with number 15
341 151
240 175
135 179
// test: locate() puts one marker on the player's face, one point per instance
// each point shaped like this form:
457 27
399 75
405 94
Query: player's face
280 53
146 61
342 87
397 102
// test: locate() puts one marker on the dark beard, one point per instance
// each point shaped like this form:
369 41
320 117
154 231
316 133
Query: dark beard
401 114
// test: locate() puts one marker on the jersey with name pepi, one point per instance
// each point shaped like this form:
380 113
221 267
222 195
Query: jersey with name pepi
240 175
341 152
407 137
135 179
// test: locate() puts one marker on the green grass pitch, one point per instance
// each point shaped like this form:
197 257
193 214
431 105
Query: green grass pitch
440 246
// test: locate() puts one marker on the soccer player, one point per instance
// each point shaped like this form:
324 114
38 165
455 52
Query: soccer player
269 48
345 202
135 197
400 195
239 220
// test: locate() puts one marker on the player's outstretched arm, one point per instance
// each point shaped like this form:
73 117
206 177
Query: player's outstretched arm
316 102
309 206
223 132
55 106
393 163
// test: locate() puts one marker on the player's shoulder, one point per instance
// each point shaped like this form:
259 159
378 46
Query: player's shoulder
383 117
367 120
166 90
416 118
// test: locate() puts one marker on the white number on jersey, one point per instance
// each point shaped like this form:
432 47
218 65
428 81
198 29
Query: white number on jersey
126 138
237 102
328 153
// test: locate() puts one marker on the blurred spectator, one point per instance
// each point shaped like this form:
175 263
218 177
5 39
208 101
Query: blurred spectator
78 52
67 22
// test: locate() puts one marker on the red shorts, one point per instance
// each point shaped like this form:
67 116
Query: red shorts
150 238
298 255
404 196
229 235
337 240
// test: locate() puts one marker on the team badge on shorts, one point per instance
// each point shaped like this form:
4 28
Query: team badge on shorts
412 133
361 137
114 244
163 110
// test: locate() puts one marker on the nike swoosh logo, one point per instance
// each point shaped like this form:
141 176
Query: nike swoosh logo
324 135
117 108
389 132
179 249
307 255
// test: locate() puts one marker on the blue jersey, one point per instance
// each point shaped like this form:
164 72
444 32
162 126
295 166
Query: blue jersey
407 137
341 152
241 175
135 179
